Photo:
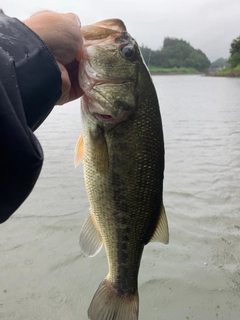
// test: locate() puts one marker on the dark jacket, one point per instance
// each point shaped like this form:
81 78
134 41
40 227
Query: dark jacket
30 85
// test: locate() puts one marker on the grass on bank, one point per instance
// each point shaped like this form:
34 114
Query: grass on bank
229 72
175 70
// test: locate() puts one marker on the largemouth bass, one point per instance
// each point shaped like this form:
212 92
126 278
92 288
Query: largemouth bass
123 151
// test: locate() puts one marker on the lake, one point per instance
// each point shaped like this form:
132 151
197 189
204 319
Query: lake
196 276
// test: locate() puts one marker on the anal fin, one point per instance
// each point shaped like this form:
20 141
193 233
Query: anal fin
90 239
161 233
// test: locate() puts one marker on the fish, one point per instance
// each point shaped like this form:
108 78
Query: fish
122 150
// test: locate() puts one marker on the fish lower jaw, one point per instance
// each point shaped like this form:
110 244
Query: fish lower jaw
94 108
105 118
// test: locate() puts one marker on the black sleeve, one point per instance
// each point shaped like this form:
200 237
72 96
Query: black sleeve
30 85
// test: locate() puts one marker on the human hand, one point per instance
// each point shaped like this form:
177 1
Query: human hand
62 34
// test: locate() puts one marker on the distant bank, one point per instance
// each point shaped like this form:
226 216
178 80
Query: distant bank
226 72
172 71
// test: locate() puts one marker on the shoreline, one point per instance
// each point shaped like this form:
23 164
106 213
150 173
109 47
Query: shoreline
229 75
231 72
226 72
174 73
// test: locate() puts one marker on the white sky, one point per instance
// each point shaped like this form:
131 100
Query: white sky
209 25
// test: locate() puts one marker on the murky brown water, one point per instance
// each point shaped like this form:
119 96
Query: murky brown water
197 276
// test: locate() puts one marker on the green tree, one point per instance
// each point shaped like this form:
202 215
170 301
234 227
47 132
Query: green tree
234 59
176 53
146 53
220 63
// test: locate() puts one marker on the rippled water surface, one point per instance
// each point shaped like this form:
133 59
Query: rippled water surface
43 274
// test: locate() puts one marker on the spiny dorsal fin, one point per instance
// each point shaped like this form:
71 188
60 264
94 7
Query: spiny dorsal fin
79 151
161 233
113 24
90 239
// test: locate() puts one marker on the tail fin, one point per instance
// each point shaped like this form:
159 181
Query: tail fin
108 304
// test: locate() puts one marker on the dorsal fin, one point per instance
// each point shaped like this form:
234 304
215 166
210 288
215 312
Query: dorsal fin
113 24
161 233
79 151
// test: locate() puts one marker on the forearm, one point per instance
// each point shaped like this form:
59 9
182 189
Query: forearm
30 85
37 73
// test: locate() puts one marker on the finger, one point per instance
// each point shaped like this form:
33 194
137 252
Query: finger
66 85
70 85
75 91
74 17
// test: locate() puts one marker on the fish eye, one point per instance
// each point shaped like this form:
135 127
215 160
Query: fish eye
128 52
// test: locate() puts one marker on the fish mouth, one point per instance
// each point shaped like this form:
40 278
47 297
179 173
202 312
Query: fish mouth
104 116
92 107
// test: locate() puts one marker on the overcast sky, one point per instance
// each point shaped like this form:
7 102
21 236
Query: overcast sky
209 25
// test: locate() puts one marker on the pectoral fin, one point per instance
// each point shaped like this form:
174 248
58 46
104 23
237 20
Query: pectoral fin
161 233
79 151
90 239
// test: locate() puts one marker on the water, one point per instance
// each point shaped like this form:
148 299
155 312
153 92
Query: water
197 276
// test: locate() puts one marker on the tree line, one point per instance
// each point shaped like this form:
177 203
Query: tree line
175 53
234 59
